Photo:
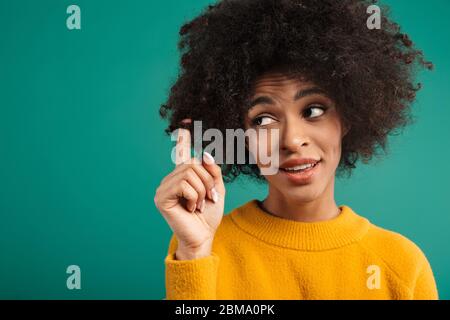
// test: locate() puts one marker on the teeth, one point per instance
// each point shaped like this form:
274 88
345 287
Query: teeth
301 167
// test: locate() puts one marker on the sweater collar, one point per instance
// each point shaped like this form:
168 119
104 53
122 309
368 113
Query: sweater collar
348 227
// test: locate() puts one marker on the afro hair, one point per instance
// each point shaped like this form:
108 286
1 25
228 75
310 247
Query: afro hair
369 73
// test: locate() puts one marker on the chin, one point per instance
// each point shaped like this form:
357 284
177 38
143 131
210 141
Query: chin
301 195
305 193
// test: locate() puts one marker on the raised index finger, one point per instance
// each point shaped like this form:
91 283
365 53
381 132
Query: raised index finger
183 147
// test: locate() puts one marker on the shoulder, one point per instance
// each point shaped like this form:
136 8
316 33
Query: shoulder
231 228
227 225
398 252
228 221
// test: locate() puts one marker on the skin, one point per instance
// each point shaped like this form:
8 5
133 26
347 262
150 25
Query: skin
185 199
185 196
305 131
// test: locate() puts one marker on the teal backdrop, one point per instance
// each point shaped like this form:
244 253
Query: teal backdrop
82 147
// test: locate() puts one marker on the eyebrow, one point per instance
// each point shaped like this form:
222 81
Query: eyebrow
299 95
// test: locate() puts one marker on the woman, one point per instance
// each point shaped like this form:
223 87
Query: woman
333 89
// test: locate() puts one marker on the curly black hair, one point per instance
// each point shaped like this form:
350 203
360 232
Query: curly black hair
369 73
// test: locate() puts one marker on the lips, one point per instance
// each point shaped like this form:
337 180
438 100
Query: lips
298 162
301 177
300 168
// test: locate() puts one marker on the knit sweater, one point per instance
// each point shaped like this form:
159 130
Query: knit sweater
256 255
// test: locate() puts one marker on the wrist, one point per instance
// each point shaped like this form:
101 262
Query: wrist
189 253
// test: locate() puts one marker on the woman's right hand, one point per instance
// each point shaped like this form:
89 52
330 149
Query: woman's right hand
191 200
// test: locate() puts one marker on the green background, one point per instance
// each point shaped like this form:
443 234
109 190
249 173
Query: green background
82 147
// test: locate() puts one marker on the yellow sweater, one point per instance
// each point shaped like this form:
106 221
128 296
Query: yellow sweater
256 255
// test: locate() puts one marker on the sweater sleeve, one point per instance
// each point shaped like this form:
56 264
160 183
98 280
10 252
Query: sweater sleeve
425 288
194 279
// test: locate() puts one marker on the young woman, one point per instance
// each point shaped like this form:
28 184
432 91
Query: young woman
333 89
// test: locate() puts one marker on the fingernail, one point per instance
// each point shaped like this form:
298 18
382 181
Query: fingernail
215 195
202 208
208 158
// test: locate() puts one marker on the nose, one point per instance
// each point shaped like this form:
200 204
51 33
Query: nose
293 136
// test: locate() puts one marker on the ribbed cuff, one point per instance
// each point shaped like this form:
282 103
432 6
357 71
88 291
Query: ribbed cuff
194 279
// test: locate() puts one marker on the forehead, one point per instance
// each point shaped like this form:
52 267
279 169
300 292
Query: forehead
280 83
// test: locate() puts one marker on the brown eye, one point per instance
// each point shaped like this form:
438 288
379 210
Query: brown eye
262 120
316 111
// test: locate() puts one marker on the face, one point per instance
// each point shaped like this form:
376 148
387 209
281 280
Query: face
308 127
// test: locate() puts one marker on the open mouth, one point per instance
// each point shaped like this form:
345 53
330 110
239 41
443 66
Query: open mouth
301 168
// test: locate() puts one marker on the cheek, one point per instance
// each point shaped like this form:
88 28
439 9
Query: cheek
336 153
331 145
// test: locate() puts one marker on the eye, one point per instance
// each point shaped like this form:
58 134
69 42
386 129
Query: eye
314 110
262 120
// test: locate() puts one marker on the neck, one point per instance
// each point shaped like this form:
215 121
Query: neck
287 206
